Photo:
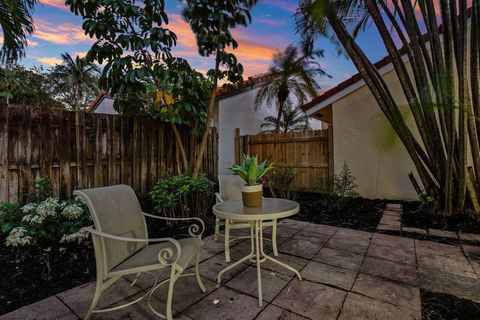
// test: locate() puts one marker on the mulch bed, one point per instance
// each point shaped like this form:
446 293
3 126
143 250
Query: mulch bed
357 213
441 306
417 217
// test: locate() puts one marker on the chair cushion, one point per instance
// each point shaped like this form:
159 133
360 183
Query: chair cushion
147 258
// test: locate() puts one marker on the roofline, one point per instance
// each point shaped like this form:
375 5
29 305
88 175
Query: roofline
95 103
249 84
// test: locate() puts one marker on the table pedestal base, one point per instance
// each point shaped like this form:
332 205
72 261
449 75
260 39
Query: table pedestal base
257 256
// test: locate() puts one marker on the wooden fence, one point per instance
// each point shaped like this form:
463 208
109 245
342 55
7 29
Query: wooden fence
79 150
309 153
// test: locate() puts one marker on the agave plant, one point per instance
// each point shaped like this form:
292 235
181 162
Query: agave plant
250 170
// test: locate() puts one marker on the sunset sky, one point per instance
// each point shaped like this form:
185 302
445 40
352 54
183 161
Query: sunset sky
272 29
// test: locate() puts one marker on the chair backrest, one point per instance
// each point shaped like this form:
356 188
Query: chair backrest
230 187
115 210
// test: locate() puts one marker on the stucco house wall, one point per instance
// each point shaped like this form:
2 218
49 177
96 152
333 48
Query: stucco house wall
238 111
363 137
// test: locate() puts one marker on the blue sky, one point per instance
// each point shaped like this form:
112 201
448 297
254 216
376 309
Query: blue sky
272 29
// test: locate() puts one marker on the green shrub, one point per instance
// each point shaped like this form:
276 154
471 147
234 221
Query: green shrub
340 188
45 221
183 196
281 180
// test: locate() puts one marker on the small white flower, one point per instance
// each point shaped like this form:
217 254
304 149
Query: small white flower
76 236
48 207
29 208
18 237
72 211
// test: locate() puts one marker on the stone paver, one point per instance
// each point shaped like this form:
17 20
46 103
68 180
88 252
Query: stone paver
339 258
50 308
324 273
305 248
272 283
275 313
414 230
225 304
363 308
311 299
469 236
390 270
406 256
403 296
329 259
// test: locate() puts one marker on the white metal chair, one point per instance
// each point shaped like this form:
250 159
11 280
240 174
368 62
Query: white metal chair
122 246
231 189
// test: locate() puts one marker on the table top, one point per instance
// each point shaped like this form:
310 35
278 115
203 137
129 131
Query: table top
271 208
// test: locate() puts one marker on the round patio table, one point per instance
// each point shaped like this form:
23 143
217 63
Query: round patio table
272 209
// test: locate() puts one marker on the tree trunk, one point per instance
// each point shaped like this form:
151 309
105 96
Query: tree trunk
206 132
180 146
279 116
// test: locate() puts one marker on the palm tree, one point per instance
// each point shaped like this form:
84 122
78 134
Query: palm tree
16 23
293 119
75 77
291 75
440 91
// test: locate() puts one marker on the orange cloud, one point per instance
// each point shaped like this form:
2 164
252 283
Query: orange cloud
55 3
63 33
51 61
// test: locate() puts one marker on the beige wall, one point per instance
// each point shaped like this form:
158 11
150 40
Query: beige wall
363 137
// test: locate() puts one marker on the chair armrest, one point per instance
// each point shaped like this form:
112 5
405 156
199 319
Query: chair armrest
165 255
218 198
195 229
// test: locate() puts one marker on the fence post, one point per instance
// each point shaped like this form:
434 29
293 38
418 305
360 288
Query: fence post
4 153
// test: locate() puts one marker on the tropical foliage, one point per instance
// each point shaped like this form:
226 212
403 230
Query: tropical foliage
291 75
16 22
20 85
250 171
441 93
293 119
76 81
183 196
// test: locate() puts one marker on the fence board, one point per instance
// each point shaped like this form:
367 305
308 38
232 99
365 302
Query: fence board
77 150
309 153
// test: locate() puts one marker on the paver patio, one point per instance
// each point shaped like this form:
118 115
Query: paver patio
348 274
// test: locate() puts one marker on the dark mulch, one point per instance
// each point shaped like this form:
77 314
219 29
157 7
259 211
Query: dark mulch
441 306
32 274
358 213
416 216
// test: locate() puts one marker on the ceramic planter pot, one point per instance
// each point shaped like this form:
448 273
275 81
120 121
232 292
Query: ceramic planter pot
252 196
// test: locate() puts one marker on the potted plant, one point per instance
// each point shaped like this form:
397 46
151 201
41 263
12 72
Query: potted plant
251 172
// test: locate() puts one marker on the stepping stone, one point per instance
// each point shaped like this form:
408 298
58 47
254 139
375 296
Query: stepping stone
247 282
362 308
394 206
49 308
414 230
225 303
311 300
340 258
324 273
442 233
469 236
388 227
404 296
272 312
390 270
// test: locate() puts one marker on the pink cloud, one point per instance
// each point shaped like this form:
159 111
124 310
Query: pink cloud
55 3
63 33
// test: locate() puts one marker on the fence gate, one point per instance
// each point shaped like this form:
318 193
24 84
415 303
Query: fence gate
309 153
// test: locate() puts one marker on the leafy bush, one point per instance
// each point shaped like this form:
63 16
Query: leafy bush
182 195
46 220
281 180
340 188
